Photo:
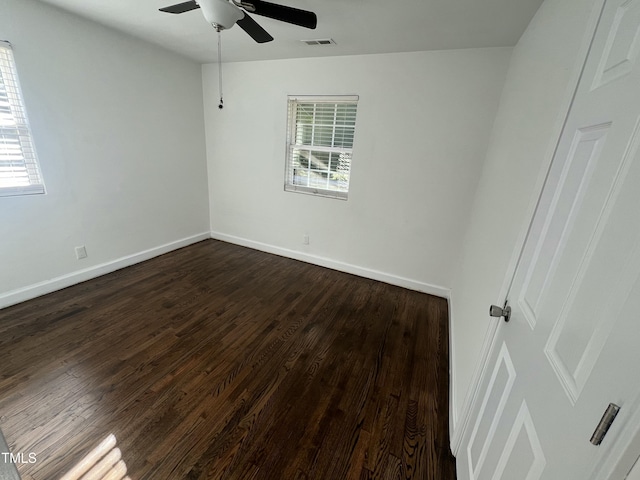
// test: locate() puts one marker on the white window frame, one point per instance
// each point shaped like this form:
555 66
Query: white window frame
19 168
289 184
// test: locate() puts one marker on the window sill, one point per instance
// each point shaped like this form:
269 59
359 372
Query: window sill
317 192
18 191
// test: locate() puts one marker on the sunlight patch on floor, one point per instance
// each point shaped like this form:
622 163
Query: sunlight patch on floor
103 463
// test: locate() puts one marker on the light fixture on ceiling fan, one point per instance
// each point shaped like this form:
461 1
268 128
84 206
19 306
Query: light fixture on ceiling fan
224 14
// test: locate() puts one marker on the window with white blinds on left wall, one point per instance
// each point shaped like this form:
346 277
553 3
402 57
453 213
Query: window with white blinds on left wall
19 169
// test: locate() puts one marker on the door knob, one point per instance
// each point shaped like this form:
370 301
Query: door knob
496 311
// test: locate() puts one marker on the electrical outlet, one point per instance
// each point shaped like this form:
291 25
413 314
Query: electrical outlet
81 252
305 239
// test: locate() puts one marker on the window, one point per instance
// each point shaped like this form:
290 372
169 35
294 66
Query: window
320 144
19 171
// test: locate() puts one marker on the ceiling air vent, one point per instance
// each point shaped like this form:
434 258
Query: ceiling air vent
320 41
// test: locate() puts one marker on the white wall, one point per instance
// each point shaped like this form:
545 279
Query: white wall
542 75
119 130
422 129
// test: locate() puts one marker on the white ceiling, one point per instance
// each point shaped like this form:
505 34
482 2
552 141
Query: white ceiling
357 26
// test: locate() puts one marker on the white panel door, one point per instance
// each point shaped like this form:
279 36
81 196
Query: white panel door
571 346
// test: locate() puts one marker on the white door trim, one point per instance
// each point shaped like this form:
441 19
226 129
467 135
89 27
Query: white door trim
620 460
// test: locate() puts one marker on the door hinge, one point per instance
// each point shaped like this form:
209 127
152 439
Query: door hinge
605 423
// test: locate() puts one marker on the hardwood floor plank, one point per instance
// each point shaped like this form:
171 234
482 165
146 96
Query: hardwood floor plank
220 362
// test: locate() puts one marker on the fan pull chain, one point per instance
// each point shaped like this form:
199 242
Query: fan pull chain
221 104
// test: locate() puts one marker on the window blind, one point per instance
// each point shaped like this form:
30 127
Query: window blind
320 144
19 170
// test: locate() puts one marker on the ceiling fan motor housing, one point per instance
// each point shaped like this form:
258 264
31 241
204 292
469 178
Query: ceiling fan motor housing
220 13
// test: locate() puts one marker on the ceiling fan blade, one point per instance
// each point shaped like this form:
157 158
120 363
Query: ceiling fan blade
283 13
254 30
181 7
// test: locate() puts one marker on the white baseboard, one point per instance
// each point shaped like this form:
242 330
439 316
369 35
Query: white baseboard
472 397
336 265
453 412
42 288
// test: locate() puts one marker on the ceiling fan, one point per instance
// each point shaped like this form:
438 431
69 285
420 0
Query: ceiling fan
224 14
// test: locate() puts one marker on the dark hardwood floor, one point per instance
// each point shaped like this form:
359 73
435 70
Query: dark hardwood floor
220 362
